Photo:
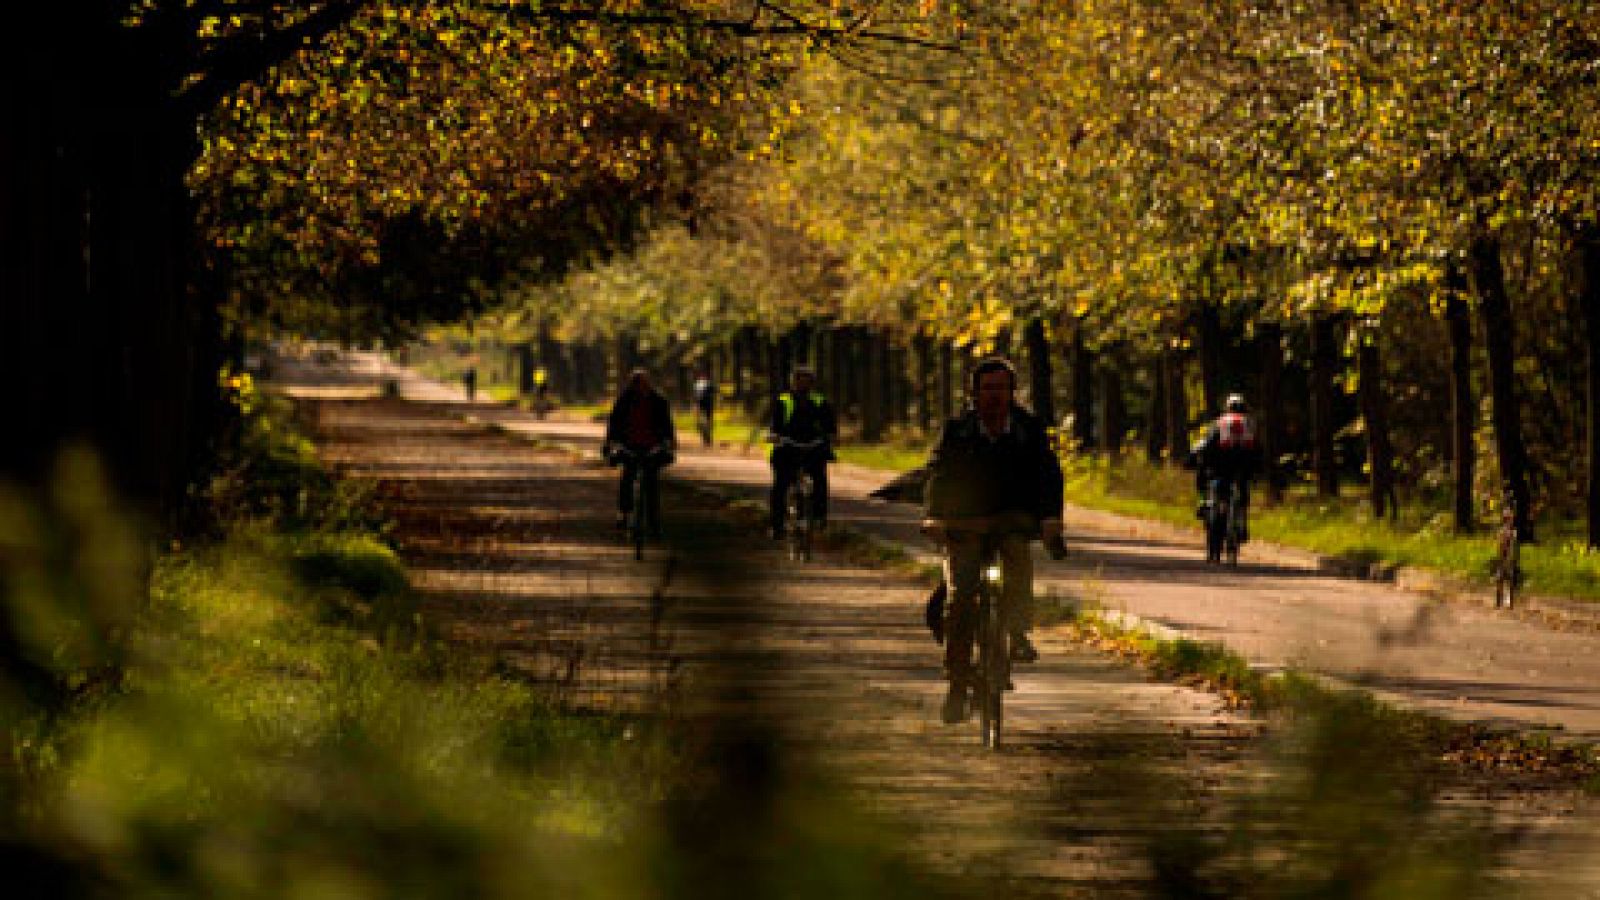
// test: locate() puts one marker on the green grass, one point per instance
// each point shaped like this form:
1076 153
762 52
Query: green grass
279 722
263 712
1558 565
890 457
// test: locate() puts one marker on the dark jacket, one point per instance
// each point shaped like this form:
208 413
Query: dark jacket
660 419
804 417
971 475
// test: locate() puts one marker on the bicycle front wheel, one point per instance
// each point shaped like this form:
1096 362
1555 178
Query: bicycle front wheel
799 521
994 669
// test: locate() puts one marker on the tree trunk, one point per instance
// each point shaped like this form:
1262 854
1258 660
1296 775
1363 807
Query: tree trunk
1113 417
1589 300
837 365
1375 415
1082 391
924 386
1271 415
1323 364
1041 375
949 390
894 383
1155 419
1211 350
1177 404
781 360
1463 407
1488 277
873 393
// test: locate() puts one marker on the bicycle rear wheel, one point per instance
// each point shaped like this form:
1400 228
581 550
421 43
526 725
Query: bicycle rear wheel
637 520
1230 542
1216 519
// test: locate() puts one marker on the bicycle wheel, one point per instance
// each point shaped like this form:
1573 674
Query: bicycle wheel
993 668
798 505
802 519
637 520
1215 519
1230 532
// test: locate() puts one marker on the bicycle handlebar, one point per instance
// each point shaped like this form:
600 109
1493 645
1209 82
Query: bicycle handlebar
620 452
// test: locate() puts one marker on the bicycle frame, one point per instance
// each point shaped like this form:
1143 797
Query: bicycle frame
637 524
800 518
800 501
992 674
1223 523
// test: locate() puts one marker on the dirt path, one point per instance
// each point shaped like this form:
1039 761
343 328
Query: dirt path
512 548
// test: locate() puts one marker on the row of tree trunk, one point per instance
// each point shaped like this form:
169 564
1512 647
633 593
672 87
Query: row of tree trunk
882 381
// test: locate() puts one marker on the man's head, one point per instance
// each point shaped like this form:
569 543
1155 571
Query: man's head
803 379
639 381
1235 404
994 385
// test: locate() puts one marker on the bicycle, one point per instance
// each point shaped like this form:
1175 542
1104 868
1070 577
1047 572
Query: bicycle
993 671
641 518
991 676
800 502
1224 521
1508 557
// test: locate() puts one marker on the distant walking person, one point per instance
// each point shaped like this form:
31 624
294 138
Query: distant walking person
469 382
541 392
640 438
705 403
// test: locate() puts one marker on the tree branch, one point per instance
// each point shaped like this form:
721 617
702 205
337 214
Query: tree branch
789 26
238 60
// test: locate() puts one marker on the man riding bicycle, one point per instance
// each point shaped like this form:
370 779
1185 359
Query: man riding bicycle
640 438
1229 454
993 465
803 431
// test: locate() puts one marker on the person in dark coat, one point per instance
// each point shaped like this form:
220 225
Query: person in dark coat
641 438
994 464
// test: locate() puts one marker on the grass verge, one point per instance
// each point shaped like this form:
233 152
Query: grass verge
1297 695
1559 565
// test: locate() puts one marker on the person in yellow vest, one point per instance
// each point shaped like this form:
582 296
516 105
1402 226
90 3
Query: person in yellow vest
803 431
541 391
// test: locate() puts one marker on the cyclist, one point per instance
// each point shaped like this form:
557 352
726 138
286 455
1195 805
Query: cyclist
640 438
992 462
541 391
1228 454
802 415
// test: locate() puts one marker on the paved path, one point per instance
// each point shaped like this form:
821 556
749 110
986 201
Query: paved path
511 548
1456 659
